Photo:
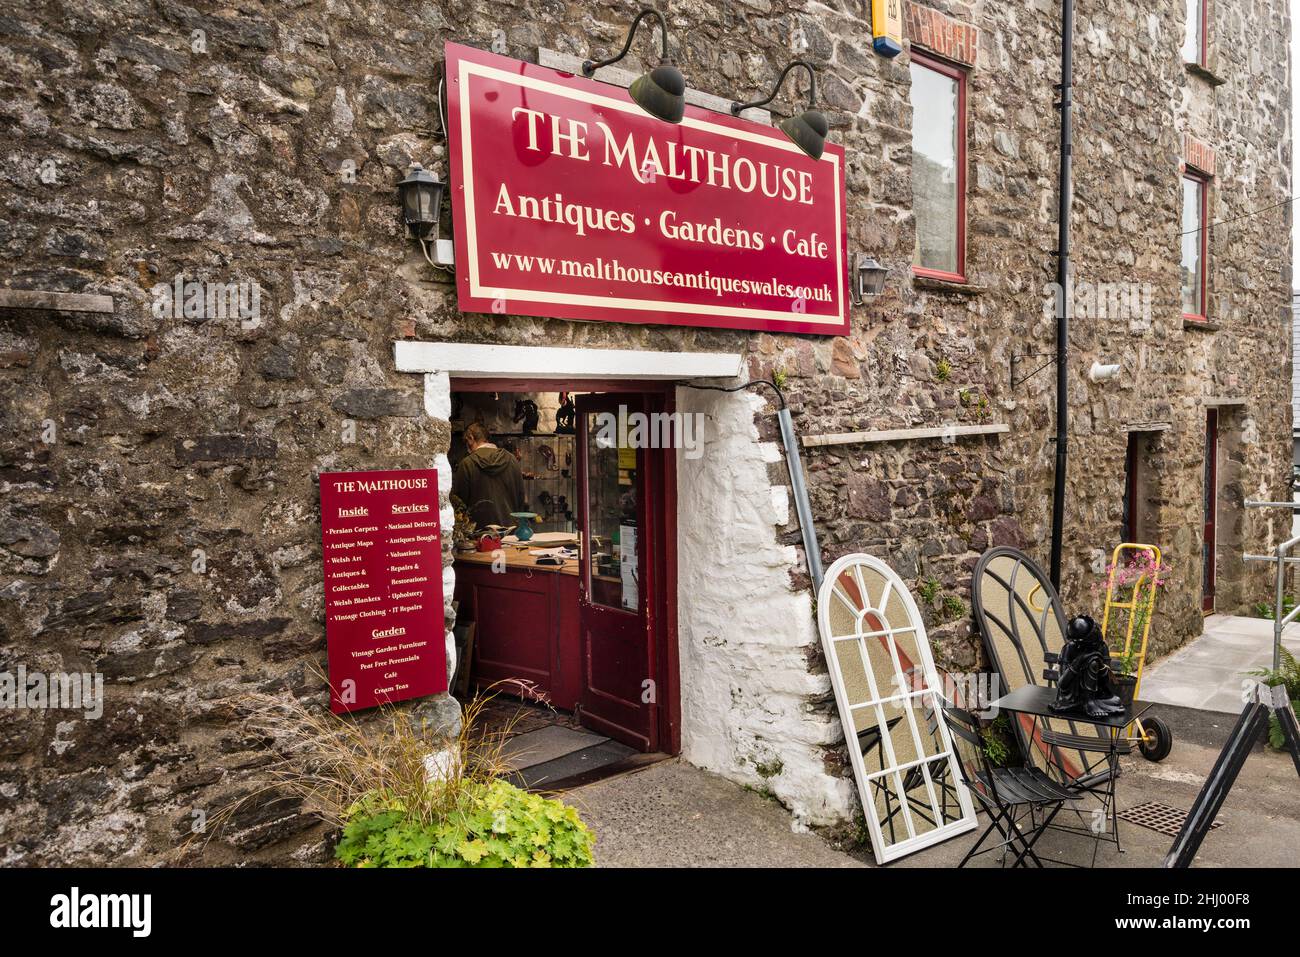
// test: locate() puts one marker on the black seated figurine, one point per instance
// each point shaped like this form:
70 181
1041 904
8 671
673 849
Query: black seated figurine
1084 685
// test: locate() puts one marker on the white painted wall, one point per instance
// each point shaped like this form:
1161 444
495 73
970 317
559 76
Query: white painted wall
744 635
437 403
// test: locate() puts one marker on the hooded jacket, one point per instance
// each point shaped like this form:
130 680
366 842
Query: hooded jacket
490 484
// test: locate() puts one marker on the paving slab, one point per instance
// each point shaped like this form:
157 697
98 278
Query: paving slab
546 744
675 815
581 762
1208 671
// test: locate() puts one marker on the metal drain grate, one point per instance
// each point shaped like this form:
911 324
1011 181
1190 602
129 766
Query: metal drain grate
1159 817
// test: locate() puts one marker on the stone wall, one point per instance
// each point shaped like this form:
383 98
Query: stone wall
159 521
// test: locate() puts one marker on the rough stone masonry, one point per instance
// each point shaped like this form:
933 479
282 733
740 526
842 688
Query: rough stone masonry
159 522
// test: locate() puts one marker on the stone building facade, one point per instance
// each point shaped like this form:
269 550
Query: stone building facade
160 522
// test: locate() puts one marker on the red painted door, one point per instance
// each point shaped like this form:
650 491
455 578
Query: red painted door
618 692
1211 507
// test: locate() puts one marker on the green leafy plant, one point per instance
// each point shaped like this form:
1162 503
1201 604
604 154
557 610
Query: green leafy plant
859 833
977 401
994 737
779 377
1288 674
996 750
1125 663
953 608
943 369
1264 609
405 796
928 590
501 826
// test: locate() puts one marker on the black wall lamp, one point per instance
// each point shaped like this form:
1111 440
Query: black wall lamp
807 130
421 194
869 279
662 91
421 199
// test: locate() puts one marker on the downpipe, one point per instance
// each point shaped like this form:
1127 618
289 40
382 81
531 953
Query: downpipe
802 504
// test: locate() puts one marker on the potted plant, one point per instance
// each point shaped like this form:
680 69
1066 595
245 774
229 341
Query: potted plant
464 533
1139 578
1123 676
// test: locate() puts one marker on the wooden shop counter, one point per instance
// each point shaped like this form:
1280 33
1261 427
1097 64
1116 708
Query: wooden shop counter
526 621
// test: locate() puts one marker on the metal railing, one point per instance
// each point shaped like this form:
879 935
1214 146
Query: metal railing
1281 559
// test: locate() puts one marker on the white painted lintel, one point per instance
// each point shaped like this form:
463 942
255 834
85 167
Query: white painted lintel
559 362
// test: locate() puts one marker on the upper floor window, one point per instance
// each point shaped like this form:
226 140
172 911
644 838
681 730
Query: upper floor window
1196 39
1195 245
939 168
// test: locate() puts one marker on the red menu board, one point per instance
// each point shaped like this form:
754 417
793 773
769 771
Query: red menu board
383 587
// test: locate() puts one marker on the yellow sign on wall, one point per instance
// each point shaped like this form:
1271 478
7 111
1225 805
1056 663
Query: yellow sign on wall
887 27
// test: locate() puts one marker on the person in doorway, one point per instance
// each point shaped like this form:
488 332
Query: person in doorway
488 480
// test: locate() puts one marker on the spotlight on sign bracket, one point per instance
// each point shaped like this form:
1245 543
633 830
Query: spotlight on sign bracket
662 91
807 130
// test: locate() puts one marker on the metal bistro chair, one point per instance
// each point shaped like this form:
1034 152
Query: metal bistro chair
1019 616
1010 796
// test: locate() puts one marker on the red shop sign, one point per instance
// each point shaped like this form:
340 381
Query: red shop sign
383 587
571 202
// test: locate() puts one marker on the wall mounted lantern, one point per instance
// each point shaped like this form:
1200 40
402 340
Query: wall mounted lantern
869 279
662 91
807 130
421 205
421 199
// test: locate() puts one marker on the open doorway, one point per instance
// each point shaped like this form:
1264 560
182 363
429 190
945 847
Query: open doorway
1210 510
565 579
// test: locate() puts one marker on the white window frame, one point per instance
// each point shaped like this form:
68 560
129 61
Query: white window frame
890 691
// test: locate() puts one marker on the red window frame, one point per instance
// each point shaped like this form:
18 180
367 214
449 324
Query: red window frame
1203 185
959 75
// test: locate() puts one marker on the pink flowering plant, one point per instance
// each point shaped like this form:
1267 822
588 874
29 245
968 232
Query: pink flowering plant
1136 581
